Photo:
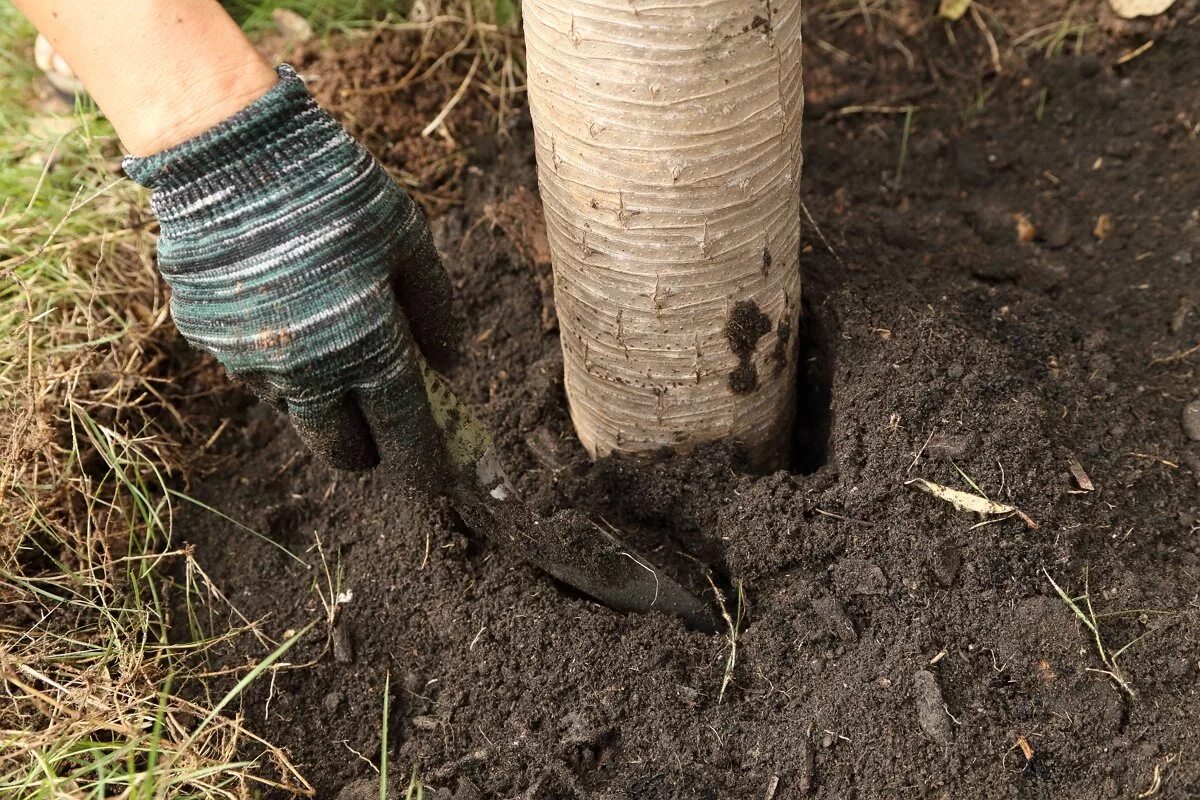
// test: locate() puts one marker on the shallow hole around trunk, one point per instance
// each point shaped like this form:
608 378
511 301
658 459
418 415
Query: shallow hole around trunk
814 378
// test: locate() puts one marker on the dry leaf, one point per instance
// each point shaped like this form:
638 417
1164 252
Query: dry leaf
1138 8
1026 230
965 501
1081 476
953 10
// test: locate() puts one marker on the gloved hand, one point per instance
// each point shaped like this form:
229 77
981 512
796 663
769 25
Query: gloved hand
297 262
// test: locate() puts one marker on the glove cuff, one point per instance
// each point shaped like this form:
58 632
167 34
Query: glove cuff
259 154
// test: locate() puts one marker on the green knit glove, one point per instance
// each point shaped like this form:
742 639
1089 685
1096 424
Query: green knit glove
295 260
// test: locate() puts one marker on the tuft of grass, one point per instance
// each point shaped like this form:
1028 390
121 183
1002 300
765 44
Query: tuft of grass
1054 38
909 112
416 789
92 425
1081 607
734 623
325 16
96 701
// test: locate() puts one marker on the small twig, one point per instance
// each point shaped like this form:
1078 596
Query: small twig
821 235
1132 54
1156 780
436 122
846 111
917 457
649 569
991 40
731 662
1149 457
346 743
1182 354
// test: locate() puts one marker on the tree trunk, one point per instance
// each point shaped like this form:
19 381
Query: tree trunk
668 149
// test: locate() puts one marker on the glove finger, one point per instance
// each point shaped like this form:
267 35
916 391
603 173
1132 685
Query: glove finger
337 432
395 406
424 291
410 443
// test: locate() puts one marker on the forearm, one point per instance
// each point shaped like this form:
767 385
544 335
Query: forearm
162 71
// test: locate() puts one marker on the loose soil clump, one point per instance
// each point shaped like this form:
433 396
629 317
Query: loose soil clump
967 321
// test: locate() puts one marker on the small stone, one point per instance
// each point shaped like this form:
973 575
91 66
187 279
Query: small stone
993 225
1058 235
688 696
931 708
945 563
364 789
331 701
423 722
1191 420
854 576
343 647
1088 66
294 28
970 163
1119 147
835 618
997 268
1026 230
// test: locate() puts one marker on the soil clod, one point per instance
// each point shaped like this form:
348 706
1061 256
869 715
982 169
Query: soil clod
931 708
835 618
857 576
945 564
1191 420
1016 357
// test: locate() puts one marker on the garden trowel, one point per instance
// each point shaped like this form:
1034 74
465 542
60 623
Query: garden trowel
569 546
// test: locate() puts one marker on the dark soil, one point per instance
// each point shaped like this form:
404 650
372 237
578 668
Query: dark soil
891 646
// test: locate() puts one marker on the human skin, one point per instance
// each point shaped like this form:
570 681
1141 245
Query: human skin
162 71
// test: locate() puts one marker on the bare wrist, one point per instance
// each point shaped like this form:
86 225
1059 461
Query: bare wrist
162 71
192 107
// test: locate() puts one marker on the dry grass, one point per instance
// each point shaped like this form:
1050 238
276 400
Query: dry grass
91 423
94 431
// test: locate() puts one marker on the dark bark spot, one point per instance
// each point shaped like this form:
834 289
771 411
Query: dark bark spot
784 331
747 324
744 378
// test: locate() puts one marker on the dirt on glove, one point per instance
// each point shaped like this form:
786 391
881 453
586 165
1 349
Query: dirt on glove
1002 297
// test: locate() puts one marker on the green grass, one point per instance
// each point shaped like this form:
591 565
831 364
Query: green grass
1081 607
329 16
92 429
325 16
94 435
